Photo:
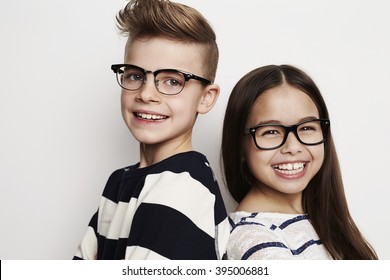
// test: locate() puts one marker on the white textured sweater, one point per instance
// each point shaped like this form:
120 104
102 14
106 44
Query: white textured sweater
273 236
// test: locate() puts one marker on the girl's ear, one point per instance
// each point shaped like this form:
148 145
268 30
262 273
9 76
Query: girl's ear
209 98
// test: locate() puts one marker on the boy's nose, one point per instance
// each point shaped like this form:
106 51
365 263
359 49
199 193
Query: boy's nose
149 92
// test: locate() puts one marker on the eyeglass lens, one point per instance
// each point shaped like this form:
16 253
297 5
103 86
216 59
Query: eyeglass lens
272 136
167 81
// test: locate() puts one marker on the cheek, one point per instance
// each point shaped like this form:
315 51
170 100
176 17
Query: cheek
124 98
127 97
123 103
247 148
185 108
126 101
318 155
257 160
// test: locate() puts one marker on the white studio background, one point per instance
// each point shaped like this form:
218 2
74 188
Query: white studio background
61 131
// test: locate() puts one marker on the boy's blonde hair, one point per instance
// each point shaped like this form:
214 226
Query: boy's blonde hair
163 18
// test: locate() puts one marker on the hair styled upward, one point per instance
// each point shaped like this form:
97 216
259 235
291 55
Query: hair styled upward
174 21
324 198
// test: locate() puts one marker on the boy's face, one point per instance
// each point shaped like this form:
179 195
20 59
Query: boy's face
166 120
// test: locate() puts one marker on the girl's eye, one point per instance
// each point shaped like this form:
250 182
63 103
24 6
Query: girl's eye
269 131
308 128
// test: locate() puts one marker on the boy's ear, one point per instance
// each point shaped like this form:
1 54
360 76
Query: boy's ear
209 98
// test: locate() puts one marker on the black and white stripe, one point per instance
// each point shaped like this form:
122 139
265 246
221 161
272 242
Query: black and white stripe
170 210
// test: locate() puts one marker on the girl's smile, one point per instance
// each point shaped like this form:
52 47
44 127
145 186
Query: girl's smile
290 170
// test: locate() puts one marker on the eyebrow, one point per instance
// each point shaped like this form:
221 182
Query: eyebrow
279 122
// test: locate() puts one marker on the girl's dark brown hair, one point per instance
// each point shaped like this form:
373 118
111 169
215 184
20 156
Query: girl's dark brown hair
324 198
178 22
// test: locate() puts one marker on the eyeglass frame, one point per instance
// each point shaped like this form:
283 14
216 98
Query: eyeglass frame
187 76
325 125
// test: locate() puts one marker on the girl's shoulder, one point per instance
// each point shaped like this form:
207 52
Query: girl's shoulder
268 235
267 219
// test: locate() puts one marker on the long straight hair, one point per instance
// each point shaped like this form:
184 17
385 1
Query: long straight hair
324 198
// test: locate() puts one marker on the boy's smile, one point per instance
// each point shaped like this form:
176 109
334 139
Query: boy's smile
149 116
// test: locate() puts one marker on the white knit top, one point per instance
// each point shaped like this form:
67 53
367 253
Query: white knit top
273 236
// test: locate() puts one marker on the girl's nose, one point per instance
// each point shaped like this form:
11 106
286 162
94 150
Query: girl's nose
292 145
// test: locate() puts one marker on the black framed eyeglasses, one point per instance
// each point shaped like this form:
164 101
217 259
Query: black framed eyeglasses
167 81
271 136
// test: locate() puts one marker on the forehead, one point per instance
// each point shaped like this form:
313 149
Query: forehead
161 53
285 104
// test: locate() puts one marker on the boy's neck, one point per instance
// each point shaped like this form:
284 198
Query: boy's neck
152 154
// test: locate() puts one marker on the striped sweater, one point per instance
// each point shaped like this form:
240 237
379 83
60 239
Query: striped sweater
273 236
170 210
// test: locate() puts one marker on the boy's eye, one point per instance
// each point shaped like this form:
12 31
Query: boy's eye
170 79
172 83
133 77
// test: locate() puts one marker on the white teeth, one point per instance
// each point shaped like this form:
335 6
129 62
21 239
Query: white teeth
150 116
298 165
290 168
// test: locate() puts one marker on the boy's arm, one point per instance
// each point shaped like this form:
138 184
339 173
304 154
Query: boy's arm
87 249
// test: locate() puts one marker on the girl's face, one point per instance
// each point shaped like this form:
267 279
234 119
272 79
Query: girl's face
286 170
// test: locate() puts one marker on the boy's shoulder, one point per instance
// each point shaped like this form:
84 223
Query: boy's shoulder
181 162
192 162
117 175
184 160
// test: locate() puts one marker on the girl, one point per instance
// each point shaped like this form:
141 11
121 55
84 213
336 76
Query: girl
281 166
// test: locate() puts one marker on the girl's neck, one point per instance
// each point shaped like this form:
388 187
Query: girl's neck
268 200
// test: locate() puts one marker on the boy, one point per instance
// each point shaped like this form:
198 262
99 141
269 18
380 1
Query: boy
167 206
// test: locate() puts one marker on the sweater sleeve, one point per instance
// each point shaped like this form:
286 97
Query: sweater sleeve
87 249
